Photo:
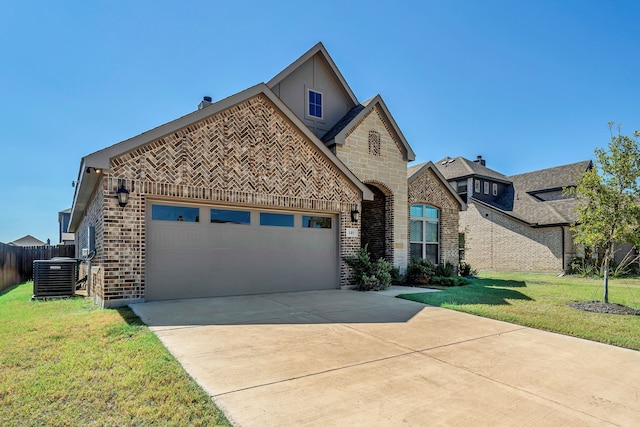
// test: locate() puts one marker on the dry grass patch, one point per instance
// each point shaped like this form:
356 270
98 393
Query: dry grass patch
65 362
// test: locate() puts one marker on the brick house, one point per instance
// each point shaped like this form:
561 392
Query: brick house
433 218
264 191
515 223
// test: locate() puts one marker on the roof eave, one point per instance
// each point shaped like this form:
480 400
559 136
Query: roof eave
503 212
101 159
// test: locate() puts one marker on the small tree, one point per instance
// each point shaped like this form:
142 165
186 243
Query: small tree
608 199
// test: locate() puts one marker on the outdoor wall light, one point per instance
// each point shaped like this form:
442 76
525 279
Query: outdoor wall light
123 195
91 168
354 214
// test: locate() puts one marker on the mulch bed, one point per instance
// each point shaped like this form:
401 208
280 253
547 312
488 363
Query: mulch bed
601 307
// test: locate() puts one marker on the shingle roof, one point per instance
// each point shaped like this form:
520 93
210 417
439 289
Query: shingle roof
552 178
342 123
523 200
27 240
415 168
533 197
459 167
527 186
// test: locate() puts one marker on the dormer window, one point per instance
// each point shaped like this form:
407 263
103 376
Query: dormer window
314 109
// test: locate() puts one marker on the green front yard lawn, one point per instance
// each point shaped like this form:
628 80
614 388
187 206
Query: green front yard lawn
541 301
65 362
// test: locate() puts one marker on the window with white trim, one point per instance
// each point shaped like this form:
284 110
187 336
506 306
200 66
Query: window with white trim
486 187
425 232
477 185
495 189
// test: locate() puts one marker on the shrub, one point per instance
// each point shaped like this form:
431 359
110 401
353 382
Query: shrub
466 270
368 275
396 276
582 267
445 269
420 270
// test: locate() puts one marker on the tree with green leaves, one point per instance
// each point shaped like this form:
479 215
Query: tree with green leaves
608 197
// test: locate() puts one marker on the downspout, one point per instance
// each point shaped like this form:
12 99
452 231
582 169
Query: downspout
563 249
88 277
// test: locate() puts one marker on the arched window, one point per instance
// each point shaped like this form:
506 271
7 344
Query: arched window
425 232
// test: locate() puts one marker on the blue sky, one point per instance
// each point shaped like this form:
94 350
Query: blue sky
526 84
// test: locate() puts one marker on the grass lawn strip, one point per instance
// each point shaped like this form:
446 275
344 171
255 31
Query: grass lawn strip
542 301
65 362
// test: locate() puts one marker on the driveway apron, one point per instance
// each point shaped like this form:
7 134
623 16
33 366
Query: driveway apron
346 358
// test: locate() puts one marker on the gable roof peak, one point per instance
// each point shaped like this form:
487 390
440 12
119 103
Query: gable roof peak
317 49
338 133
460 167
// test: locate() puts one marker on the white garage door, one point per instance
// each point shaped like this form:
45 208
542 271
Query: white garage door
196 251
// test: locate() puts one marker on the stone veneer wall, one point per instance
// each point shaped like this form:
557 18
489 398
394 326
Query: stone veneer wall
496 242
246 155
429 190
386 166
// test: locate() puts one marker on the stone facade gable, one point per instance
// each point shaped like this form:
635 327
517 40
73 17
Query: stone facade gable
380 124
250 147
373 153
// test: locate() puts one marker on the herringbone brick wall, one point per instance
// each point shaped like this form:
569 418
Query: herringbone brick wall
249 154
247 148
429 190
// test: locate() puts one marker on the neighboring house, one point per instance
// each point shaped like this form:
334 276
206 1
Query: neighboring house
27 240
65 238
264 191
520 222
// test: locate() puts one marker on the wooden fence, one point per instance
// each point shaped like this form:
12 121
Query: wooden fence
16 262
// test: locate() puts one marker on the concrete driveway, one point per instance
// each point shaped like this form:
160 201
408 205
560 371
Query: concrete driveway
346 358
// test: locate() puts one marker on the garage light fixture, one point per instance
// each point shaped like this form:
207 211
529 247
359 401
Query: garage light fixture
123 195
354 214
92 169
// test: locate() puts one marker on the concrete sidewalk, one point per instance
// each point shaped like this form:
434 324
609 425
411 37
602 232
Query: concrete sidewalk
346 358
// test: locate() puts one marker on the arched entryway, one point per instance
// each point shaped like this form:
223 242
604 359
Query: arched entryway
377 222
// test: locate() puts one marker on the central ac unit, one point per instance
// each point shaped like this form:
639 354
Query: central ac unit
55 278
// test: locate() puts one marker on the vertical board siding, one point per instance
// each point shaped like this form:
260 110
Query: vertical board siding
16 262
